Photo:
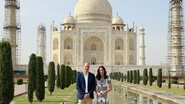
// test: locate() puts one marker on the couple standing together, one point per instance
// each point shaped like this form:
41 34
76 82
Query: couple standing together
87 84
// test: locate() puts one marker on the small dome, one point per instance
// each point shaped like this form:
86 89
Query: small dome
117 20
41 26
142 28
69 20
93 10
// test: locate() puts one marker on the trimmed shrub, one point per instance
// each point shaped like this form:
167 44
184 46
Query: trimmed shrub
67 76
174 81
6 74
62 77
145 77
32 77
135 77
150 76
138 77
122 77
51 77
128 76
169 81
131 76
159 78
58 76
184 84
40 83
19 81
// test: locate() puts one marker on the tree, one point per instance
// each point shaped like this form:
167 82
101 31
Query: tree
138 77
62 77
131 76
145 77
58 76
159 78
169 80
184 84
51 77
122 77
40 82
128 76
184 81
73 76
150 76
67 76
135 77
6 73
32 77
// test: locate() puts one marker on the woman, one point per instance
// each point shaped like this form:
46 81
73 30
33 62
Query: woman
103 85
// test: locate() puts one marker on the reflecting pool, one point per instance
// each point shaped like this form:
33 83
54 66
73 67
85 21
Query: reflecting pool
120 95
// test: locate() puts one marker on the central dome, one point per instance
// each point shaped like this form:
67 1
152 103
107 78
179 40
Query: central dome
93 10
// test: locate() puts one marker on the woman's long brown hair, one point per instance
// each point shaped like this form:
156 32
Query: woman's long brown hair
98 76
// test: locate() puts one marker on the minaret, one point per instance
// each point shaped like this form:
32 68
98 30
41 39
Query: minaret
142 46
41 42
176 42
12 28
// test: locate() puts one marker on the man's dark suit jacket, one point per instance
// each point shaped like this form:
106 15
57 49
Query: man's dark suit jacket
80 85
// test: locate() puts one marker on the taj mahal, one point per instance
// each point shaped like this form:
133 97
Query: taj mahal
94 35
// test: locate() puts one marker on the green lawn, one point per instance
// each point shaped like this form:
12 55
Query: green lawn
67 95
164 89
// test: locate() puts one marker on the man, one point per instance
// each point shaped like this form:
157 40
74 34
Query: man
85 84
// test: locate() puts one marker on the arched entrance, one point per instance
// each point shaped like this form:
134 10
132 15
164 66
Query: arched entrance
94 51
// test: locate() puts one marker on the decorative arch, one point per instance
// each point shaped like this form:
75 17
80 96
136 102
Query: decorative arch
131 60
68 59
118 59
131 44
122 28
55 44
65 28
119 44
94 50
113 28
93 47
69 28
93 60
68 43
55 58
118 28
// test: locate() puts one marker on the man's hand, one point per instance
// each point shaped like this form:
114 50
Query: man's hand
86 96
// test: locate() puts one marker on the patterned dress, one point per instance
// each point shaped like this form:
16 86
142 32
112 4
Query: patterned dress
102 85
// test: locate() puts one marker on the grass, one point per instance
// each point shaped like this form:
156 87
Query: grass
164 88
67 95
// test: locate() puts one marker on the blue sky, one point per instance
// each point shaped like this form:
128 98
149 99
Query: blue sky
152 14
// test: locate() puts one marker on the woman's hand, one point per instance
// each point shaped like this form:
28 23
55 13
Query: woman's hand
102 94
99 94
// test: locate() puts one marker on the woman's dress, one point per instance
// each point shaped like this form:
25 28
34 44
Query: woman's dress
102 85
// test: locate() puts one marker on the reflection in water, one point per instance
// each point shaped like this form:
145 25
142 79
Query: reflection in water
120 95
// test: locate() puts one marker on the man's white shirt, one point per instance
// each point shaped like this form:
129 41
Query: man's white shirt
86 82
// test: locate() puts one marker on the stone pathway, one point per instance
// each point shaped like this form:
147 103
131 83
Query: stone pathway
20 89
177 99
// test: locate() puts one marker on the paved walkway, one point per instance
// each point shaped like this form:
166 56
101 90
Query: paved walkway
176 99
20 89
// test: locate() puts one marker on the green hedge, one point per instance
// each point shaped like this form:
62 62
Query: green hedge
19 81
